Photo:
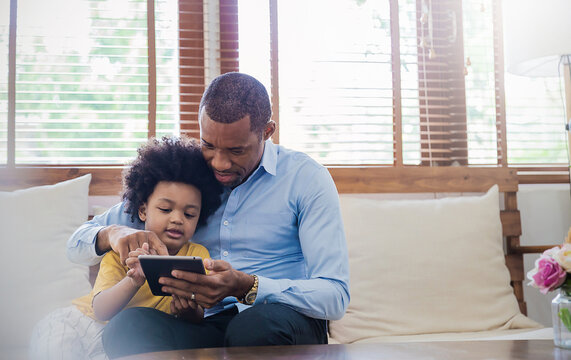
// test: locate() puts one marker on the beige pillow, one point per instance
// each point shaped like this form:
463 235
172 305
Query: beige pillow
35 275
425 266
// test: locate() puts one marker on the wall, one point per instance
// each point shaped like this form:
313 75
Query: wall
546 219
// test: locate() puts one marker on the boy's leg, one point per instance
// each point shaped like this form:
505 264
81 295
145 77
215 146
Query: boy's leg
67 333
274 324
141 330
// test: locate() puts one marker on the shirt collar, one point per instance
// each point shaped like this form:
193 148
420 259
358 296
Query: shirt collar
270 157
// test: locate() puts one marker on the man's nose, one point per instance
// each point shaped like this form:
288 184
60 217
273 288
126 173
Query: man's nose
221 161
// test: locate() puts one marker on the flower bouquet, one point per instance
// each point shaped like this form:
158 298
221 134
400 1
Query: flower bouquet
552 271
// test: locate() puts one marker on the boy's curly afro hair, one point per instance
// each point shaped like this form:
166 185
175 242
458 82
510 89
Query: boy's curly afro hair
173 159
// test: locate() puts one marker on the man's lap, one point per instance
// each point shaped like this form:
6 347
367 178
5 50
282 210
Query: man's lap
139 330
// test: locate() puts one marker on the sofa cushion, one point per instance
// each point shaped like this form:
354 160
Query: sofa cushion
426 266
37 277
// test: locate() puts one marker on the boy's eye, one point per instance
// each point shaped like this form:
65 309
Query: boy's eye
189 216
164 209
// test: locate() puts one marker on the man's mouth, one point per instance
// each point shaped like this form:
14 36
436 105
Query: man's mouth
224 178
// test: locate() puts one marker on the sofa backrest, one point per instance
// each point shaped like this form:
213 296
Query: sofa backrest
406 180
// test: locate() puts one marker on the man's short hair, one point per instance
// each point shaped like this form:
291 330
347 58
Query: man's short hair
232 96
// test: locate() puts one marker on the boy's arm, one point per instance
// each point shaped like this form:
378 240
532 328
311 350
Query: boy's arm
110 301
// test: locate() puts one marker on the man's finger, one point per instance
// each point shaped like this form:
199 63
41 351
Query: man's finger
156 244
123 251
216 265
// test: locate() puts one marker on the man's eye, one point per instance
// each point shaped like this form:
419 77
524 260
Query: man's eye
237 152
207 146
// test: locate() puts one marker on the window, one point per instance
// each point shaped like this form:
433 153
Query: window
353 82
82 80
400 83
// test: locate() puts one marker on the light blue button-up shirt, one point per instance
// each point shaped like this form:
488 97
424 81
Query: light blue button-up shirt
283 224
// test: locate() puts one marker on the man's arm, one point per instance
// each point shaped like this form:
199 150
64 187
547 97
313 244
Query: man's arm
324 295
110 230
82 245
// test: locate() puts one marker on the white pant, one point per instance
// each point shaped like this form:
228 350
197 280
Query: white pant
67 333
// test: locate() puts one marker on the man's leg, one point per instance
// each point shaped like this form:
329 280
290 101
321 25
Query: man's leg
141 330
274 324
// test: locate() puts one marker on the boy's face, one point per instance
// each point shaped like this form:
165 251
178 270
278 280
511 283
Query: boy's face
172 213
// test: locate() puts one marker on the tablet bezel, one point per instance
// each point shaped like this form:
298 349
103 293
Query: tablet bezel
156 266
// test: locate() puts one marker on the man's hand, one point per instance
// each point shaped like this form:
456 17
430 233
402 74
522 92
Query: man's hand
186 309
221 281
123 239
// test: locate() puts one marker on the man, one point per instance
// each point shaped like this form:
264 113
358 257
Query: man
279 265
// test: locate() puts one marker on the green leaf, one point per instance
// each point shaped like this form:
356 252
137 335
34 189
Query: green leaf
565 317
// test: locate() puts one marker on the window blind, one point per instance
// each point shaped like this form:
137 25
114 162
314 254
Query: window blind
335 83
191 63
82 95
199 25
4 43
450 101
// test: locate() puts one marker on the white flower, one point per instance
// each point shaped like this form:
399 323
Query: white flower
563 257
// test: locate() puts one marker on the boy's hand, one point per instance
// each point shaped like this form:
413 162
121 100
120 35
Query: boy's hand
135 270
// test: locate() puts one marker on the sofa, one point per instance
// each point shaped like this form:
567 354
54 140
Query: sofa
426 264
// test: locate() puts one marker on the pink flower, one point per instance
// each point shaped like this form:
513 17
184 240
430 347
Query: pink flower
548 275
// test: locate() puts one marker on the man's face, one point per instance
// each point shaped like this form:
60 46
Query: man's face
231 150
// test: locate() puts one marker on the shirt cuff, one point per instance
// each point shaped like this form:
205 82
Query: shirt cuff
268 290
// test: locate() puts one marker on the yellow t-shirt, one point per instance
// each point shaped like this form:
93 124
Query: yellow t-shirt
112 271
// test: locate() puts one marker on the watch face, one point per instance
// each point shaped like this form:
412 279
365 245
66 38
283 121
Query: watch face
250 298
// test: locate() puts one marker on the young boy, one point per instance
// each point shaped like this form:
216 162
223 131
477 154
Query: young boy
171 190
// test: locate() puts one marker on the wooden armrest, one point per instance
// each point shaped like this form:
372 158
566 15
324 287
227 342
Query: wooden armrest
534 249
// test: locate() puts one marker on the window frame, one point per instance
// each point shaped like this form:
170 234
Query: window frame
107 179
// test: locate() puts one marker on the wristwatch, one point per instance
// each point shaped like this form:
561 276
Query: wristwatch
250 297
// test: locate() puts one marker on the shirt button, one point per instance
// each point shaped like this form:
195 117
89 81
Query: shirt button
225 222
225 253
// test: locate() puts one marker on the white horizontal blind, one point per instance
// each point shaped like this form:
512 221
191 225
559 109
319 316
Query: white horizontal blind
82 79
4 40
335 80
534 111
409 82
166 43
535 115
480 83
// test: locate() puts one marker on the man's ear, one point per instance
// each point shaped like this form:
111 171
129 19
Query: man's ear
270 129
143 212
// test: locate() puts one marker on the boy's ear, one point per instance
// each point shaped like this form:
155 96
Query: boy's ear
143 212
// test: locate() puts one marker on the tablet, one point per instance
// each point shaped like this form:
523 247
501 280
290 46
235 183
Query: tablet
156 266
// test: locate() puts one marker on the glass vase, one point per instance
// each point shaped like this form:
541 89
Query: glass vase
561 317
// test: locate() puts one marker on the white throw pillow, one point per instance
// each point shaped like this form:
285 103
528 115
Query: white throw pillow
425 267
36 276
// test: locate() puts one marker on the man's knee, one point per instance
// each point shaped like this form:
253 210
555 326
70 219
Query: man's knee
273 324
128 331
